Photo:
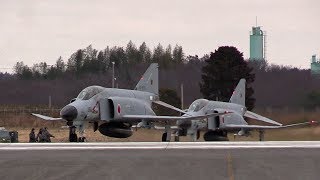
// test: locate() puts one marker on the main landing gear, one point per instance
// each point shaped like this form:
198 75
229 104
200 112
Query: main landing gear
166 136
261 135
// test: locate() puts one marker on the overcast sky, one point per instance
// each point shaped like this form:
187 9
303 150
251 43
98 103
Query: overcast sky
34 31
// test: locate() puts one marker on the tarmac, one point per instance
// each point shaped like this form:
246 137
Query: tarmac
161 160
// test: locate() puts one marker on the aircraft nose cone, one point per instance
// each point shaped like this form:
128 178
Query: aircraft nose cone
69 113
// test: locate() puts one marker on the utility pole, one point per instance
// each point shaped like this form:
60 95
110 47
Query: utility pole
49 102
112 74
181 88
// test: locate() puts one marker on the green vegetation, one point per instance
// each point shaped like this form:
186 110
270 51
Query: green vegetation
171 97
274 86
222 72
312 100
90 60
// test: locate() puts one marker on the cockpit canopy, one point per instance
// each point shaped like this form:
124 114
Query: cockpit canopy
89 92
198 105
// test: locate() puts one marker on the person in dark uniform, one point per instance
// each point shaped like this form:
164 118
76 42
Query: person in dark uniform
32 136
73 135
40 136
47 135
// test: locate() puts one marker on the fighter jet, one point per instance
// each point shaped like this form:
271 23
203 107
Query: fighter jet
113 111
231 119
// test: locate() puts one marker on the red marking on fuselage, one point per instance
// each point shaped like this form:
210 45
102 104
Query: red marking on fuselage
313 122
119 109
95 109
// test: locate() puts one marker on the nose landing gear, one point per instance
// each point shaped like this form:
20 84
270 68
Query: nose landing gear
73 137
72 134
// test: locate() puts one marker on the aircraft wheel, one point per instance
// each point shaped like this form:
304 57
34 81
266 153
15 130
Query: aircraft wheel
215 136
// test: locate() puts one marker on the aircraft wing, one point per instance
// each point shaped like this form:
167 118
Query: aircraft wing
258 117
250 127
161 103
168 118
46 117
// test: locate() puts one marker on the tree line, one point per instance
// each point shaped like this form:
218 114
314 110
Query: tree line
90 60
271 85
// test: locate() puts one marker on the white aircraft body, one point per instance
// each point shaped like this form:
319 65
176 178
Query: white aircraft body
114 111
231 119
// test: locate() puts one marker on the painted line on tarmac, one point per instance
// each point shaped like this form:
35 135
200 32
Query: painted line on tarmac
153 147
230 166
256 143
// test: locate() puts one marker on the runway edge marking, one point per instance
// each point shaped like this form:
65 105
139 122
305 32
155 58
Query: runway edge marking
157 147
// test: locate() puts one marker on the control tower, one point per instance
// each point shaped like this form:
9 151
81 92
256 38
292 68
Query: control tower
315 66
257 44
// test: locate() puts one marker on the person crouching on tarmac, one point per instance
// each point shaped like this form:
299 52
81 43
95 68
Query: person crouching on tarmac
32 136
47 135
40 136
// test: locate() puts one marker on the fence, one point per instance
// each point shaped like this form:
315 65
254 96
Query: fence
21 117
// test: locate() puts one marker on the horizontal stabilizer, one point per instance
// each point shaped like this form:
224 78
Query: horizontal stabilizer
167 118
235 126
161 103
46 117
255 116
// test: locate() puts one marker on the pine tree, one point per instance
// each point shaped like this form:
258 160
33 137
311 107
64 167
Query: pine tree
22 71
132 53
148 56
79 59
166 59
178 55
100 62
142 53
60 65
158 53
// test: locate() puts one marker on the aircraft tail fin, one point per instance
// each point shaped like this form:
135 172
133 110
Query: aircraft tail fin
239 94
149 82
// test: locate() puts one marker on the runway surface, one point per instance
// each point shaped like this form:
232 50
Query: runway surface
219 160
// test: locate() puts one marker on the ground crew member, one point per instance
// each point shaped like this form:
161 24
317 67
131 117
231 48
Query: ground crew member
47 135
32 136
40 136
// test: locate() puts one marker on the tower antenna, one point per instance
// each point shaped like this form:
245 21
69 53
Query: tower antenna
256 21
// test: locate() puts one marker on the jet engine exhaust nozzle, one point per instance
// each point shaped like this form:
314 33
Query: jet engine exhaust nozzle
69 113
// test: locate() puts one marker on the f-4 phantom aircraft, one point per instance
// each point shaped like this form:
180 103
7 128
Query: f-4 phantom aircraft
114 111
231 119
